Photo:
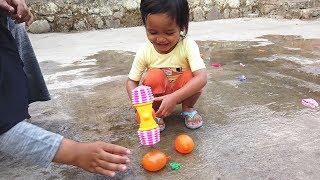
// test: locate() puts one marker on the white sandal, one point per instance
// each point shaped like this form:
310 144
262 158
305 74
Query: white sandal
189 120
161 124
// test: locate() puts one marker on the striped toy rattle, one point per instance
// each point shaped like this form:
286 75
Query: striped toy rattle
149 131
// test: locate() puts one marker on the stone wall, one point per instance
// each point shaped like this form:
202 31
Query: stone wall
79 15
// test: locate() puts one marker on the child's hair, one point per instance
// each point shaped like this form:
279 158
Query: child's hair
178 10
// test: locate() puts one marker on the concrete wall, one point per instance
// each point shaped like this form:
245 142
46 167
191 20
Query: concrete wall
79 15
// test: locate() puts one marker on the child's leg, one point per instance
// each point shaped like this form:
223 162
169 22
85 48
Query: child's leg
159 83
188 104
192 118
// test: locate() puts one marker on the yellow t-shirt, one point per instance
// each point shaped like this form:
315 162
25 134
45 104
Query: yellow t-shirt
185 55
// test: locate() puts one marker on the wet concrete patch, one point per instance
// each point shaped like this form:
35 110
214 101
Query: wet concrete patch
255 129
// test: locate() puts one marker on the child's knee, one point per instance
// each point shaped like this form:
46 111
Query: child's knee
187 75
183 79
157 80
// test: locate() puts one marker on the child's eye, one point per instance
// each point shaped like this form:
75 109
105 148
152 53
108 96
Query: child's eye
152 33
170 33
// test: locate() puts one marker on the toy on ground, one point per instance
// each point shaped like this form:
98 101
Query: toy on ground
311 103
149 131
242 78
184 144
154 160
216 65
175 166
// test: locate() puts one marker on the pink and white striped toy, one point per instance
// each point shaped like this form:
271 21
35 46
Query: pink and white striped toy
149 131
142 94
149 138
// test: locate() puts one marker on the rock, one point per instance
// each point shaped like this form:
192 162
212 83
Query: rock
113 23
94 11
118 15
63 24
67 13
305 13
310 13
226 13
208 2
234 13
287 15
316 12
50 18
80 25
250 2
100 23
221 3
267 8
214 13
252 15
131 5
48 9
95 21
296 13
40 26
194 4
231 3
198 14
131 18
106 12
234 3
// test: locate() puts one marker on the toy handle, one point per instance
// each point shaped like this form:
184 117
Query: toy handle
138 117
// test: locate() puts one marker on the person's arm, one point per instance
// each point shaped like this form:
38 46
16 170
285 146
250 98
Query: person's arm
169 101
34 144
98 157
130 85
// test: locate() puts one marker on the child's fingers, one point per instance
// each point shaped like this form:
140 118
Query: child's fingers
115 149
160 98
159 113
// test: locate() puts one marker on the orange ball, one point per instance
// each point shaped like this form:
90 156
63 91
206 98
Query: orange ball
184 144
154 160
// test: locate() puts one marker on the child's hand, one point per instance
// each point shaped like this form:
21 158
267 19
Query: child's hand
98 157
168 104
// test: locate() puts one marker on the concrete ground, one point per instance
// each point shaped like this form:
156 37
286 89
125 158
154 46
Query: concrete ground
255 129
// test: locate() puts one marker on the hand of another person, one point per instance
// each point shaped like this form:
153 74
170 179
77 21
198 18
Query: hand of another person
168 104
98 157
18 10
4 5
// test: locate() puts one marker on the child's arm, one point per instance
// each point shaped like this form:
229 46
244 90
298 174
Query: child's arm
169 101
131 84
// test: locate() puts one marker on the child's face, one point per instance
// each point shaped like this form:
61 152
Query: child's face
162 32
